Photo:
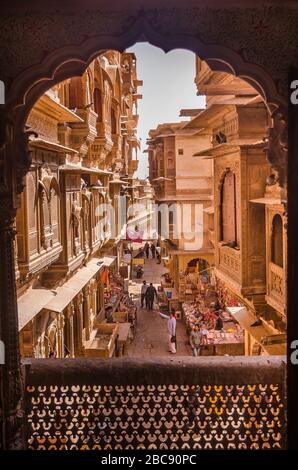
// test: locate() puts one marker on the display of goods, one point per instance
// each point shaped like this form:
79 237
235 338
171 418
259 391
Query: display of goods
103 344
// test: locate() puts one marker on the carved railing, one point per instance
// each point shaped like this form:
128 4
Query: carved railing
230 261
276 284
177 403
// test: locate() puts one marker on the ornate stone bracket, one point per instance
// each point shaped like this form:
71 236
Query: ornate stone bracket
277 150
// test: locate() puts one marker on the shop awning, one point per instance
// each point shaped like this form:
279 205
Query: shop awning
267 200
69 167
31 303
66 293
54 146
107 261
162 178
245 320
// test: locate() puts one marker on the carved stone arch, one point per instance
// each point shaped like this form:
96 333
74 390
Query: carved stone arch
222 173
41 187
98 73
69 61
107 77
54 184
88 87
142 27
47 183
201 30
277 247
233 225
114 117
51 336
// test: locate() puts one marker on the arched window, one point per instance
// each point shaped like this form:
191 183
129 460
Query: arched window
97 100
170 160
228 212
113 122
277 241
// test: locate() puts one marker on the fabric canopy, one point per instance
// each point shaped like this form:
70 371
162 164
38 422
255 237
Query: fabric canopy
134 234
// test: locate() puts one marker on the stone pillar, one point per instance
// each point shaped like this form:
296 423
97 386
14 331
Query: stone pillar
93 302
11 383
78 326
86 311
71 311
60 336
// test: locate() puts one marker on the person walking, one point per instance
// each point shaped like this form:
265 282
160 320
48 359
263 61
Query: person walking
172 333
143 294
218 322
150 293
195 340
153 250
158 254
146 249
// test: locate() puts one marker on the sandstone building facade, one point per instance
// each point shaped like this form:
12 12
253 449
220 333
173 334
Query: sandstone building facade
219 157
84 155
184 191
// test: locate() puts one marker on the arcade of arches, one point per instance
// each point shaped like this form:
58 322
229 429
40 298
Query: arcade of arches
68 140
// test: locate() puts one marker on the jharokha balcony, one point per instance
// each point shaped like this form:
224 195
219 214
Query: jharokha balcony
276 289
177 403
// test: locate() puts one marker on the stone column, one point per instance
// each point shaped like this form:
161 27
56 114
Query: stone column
71 311
14 164
60 335
78 326
11 383
86 311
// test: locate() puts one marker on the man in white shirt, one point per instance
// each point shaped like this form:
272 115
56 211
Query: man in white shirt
143 294
158 254
172 332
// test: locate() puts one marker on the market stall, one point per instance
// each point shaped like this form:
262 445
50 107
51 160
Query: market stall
113 291
127 312
103 341
124 338
228 340
119 310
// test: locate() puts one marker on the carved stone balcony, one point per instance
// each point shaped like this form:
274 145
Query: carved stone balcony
84 133
177 403
230 262
276 288
102 144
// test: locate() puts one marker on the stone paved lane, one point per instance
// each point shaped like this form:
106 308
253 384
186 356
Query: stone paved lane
151 333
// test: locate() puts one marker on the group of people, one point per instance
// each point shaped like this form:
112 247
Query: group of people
154 249
148 293
198 336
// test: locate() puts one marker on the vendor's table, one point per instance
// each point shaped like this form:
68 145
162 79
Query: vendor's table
123 338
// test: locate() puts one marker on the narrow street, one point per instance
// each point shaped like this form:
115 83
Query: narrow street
151 332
